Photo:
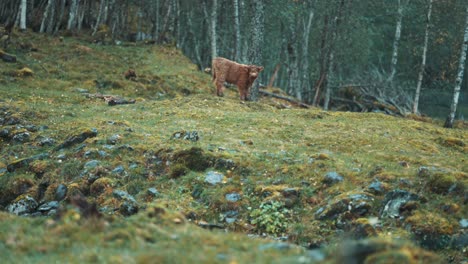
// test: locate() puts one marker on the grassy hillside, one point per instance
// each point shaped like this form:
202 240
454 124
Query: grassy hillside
181 175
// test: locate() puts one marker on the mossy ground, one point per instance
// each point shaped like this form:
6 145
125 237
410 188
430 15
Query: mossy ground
274 148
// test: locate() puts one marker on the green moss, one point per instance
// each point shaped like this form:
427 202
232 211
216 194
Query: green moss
177 170
429 223
194 159
443 183
101 185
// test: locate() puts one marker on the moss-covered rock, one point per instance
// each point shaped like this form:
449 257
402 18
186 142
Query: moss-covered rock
430 229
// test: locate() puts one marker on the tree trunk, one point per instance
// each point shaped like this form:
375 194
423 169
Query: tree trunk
328 85
273 76
257 43
99 16
305 54
294 87
46 16
163 32
24 5
214 15
322 61
396 41
72 15
237 29
59 20
423 63
461 68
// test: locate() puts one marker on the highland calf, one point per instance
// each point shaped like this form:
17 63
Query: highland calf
232 72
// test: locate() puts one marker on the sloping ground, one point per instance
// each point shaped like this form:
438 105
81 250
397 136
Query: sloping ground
137 182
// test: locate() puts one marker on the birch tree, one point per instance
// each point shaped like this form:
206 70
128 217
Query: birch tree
461 68
423 63
237 29
213 29
305 53
396 41
23 9
256 55
72 16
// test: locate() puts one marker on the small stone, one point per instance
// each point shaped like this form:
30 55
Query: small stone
48 206
464 223
23 206
332 177
128 208
22 137
119 170
91 164
233 197
394 201
274 245
46 141
230 216
376 187
153 192
61 192
113 139
123 195
81 90
214 177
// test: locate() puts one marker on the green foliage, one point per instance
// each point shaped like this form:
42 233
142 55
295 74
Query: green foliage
271 218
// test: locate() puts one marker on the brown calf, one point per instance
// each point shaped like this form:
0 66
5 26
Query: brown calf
240 75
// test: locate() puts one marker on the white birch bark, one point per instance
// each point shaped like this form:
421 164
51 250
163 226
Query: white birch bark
213 29
396 41
461 68
72 15
423 63
305 54
24 5
237 29
258 30
45 16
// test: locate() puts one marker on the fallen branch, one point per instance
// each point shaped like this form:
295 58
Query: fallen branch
110 99
7 57
291 100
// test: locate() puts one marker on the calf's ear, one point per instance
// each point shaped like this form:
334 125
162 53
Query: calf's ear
260 68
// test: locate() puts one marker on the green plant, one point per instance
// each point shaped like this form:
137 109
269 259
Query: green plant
270 217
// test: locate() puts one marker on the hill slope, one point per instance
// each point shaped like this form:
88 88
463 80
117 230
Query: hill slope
135 182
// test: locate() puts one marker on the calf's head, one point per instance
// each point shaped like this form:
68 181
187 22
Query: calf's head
254 70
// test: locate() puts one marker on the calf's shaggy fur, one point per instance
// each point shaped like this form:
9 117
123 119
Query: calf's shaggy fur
232 72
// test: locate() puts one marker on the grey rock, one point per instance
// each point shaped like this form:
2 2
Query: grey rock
358 204
186 135
23 206
332 177
91 164
153 192
48 206
123 195
128 208
376 187
22 137
81 90
46 141
464 223
214 177
233 197
120 170
230 216
459 241
226 164
113 139
61 192
394 200
275 245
